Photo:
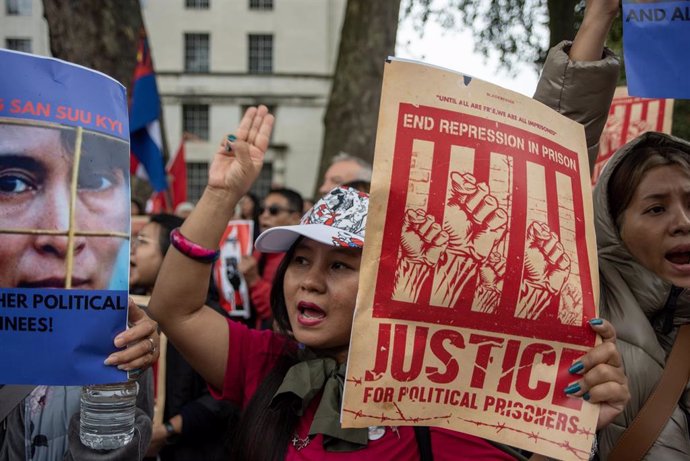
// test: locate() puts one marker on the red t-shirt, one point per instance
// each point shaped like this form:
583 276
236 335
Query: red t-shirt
251 356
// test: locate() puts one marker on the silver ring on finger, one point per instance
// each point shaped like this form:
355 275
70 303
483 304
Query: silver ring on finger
153 346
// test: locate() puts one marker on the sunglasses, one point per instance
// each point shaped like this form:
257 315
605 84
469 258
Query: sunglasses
275 210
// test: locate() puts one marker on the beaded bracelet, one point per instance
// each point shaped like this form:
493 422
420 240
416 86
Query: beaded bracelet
191 249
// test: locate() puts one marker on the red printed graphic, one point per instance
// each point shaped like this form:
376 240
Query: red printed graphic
486 231
628 118
237 241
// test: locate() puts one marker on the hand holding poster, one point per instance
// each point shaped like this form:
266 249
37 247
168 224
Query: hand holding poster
476 281
656 63
64 221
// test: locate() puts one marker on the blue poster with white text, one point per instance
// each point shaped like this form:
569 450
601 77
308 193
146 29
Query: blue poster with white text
655 39
64 221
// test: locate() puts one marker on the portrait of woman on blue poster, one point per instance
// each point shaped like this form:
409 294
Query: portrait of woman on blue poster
37 163
64 221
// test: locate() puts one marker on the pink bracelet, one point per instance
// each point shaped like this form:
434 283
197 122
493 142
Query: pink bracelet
191 249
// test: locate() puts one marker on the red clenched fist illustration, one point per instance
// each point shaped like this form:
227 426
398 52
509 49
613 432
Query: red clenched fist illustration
545 270
422 244
474 221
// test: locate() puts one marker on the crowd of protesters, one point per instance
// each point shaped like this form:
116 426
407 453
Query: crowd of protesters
269 388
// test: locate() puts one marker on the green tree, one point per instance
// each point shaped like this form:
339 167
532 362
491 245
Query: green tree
508 28
100 35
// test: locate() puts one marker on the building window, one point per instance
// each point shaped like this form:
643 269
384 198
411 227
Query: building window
197 4
18 44
196 52
195 120
264 183
18 7
260 4
260 54
197 178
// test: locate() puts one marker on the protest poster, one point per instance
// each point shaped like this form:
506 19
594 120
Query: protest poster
237 241
655 65
476 279
629 117
64 221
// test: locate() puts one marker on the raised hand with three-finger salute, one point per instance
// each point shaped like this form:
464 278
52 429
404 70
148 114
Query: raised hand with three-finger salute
238 161
186 269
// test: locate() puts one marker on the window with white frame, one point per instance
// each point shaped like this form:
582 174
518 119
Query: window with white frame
196 52
260 4
18 7
197 4
197 178
260 53
18 44
195 120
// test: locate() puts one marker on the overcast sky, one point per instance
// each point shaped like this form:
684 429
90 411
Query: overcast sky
455 50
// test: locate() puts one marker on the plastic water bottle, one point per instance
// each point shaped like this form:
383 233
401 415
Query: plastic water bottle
107 415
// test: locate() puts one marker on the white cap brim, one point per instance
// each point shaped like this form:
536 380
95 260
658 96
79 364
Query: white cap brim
280 239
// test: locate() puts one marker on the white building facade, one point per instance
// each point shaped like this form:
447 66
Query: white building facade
213 58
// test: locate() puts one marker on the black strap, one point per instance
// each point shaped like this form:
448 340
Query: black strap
10 396
423 436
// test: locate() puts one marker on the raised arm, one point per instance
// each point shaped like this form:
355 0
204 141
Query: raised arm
199 333
578 80
591 37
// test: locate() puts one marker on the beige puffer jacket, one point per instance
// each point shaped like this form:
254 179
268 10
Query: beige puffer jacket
631 296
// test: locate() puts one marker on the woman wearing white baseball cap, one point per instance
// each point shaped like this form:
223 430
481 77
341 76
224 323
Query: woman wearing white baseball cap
290 382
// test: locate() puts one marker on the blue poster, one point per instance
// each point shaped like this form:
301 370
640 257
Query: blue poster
64 221
655 39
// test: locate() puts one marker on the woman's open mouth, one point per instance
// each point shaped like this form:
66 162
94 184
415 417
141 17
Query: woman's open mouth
679 258
309 314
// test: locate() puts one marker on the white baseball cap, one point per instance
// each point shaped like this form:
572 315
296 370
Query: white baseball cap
337 219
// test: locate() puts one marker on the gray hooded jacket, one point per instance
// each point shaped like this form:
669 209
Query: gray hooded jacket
633 299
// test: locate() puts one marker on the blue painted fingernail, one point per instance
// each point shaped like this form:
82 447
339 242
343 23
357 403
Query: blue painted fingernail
596 322
586 396
576 367
232 138
573 388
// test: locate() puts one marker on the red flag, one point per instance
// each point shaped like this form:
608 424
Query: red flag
158 203
177 176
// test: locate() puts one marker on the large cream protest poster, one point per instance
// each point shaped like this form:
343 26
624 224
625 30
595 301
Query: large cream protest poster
629 117
476 281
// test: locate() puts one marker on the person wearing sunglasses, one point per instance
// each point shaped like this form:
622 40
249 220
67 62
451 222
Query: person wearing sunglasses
281 207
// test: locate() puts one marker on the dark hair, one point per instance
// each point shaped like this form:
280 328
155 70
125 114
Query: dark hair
256 208
167 222
360 185
264 430
629 173
139 204
293 198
